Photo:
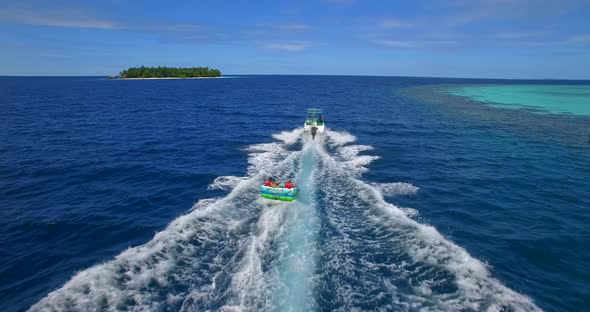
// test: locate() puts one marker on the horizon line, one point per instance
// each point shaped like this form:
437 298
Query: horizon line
325 75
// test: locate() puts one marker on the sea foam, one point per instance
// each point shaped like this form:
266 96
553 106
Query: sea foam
240 252
365 221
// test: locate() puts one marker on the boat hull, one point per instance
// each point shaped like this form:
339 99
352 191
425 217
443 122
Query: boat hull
307 128
279 193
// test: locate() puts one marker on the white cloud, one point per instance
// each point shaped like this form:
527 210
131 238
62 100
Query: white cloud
395 43
291 47
471 11
391 23
55 55
56 18
583 38
522 34
469 16
408 44
294 26
273 27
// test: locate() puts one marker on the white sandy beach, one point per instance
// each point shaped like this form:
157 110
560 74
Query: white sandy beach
165 78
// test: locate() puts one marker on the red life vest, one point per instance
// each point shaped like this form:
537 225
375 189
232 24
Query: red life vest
267 183
288 185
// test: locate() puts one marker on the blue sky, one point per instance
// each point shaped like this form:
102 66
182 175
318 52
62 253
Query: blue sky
453 38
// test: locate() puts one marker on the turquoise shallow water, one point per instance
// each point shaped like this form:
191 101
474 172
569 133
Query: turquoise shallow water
569 99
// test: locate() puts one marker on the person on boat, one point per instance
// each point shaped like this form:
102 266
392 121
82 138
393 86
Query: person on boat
268 181
274 184
288 185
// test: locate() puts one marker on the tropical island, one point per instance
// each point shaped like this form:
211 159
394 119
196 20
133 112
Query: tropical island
169 72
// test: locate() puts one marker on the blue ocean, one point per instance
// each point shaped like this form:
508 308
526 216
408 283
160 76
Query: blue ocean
143 195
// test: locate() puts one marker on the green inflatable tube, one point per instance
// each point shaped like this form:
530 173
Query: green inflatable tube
285 198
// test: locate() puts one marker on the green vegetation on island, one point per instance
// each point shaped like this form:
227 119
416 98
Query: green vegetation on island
169 72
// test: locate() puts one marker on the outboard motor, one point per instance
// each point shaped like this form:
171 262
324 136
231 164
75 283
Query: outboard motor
314 130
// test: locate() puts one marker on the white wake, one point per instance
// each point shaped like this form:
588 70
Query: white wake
340 246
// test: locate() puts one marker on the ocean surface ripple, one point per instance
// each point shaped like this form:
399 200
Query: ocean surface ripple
411 201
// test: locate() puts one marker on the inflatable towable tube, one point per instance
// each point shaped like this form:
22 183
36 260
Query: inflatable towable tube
279 193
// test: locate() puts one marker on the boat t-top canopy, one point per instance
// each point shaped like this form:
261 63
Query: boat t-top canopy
314 122
314 115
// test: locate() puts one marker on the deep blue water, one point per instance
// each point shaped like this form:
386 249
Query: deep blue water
485 208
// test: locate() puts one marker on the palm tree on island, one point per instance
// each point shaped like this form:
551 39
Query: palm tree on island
169 72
